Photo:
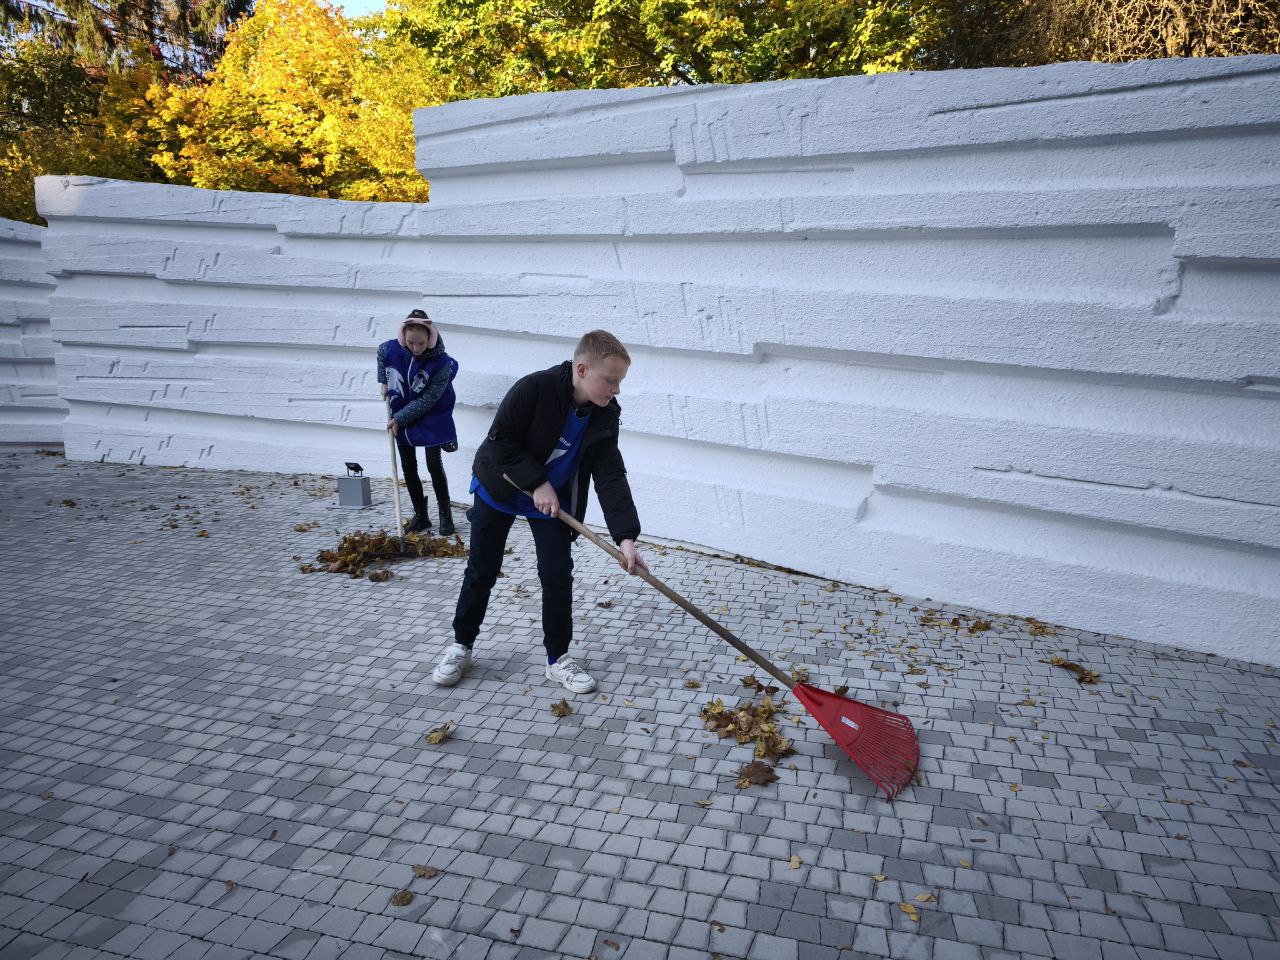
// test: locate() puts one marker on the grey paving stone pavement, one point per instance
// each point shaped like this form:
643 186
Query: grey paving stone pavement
205 753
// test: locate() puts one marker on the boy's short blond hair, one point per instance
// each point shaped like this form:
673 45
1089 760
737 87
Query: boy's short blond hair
598 345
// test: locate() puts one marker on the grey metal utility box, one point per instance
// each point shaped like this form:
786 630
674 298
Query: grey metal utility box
354 492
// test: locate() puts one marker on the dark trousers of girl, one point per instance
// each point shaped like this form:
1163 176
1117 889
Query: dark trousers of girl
439 483
551 541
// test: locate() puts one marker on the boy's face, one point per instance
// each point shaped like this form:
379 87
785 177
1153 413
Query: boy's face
599 382
417 338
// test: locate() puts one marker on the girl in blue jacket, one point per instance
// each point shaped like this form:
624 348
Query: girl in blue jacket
417 378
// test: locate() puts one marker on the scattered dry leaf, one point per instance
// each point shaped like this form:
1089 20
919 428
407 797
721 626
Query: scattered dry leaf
926 898
879 878
795 861
401 898
561 709
1015 788
692 684
1083 676
910 910
230 886
754 683
440 734
605 604
424 873
612 944
703 803
965 863
842 691
381 576
755 773
717 926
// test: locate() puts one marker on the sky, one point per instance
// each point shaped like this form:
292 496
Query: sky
358 8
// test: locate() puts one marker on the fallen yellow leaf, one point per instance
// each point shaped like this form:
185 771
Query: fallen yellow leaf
795 861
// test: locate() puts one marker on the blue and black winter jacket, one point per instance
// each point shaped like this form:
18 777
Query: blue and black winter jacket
420 390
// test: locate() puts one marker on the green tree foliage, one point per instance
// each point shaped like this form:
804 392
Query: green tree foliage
501 47
56 116
183 35
298 99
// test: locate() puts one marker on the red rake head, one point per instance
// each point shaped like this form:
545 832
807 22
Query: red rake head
881 742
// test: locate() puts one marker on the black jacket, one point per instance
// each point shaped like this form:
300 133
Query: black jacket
524 432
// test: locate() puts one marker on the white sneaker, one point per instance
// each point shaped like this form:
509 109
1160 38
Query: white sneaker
449 670
566 672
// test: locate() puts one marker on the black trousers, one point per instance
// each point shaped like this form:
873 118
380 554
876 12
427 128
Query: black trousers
552 540
413 481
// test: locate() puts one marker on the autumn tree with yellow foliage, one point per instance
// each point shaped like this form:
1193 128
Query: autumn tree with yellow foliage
294 106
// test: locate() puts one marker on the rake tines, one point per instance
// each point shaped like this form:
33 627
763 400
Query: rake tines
881 742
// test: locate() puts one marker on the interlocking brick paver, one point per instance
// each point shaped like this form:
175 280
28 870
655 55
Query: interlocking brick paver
205 753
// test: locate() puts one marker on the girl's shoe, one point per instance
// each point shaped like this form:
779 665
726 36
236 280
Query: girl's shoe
447 528
417 523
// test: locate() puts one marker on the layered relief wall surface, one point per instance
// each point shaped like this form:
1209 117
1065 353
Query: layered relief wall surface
1007 338
30 410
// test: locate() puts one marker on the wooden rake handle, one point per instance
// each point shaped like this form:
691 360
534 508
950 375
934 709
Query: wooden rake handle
395 479
757 658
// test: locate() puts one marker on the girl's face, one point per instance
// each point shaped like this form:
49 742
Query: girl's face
418 338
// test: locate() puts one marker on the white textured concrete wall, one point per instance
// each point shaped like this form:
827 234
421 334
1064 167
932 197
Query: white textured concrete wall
1007 338
224 329
30 410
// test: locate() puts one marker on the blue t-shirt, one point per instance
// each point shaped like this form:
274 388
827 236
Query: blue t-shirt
562 468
